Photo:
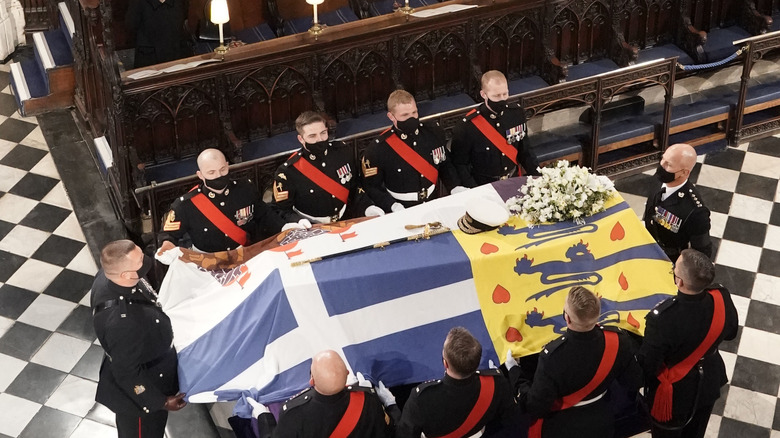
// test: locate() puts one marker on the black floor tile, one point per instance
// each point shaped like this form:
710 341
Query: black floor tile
770 262
88 366
5 227
36 383
766 146
728 158
715 247
70 285
22 340
640 184
50 422
34 186
22 157
14 301
15 130
756 186
10 263
738 282
776 421
5 80
715 199
730 428
7 101
763 316
756 375
744 231
58 250
720 403
774 218
694 176
733 345
79 324
45 217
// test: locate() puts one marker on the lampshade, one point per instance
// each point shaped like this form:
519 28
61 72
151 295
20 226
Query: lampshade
219 12
315 2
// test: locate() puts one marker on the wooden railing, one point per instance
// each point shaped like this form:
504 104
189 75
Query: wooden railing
38 15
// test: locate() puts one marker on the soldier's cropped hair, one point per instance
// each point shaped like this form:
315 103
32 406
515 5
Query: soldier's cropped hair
584 304
398 97
462 351
115 254
307 118
492 75
696 270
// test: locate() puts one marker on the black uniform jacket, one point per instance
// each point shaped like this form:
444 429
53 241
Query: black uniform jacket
679 220
439 407
140 367
292 189
159 30
384 169
240 202
674 329
313 415
477 160
565 366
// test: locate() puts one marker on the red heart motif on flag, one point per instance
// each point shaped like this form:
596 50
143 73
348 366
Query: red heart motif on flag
501 295
617 233
513 335
631 320
623 282
488 248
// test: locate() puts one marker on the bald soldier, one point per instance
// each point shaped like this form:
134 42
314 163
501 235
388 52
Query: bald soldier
674 214
220 213
487 145
330 405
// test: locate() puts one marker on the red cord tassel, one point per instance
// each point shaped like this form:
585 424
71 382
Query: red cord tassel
662 404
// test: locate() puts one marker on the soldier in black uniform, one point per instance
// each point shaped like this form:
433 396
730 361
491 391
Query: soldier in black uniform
319 410
219 214
675 329
488 144
403 167
441 407
674 214
569 365
320 181
138 377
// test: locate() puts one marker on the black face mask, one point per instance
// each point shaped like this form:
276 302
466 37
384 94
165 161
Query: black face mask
409 125
317 148
146 266
664 175
497 105
219 183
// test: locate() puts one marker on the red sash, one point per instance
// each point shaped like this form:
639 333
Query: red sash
321 180
611 344
486 389
219 219
414 159
662 404
495 138
351 415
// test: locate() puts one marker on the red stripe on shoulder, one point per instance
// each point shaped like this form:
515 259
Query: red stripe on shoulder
471 112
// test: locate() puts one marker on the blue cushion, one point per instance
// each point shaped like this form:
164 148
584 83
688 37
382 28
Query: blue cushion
683 114
171 170
34 77
381 7
59 47
526 84
286 142
758 94
302 24
444 103
261 32
624 130
547 146
692 134
719 42
663 52
363 123
590 68
775 22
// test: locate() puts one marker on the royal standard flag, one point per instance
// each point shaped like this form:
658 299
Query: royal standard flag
251 327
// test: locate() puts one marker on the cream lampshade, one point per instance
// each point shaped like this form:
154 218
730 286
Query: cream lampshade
219 16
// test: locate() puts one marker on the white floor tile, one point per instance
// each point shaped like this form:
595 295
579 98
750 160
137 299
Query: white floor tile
730 360
750 208
772 239
774 434
34 275
750 406
92 429
74 395
759 164
15 413
755 345
718 177
5 324
61 352
46 167
30 119
9 176
742 305
23 241
766 288
102 415
713 427
83 262
717 224
85 301
11 367
738 255
14 208
35 139
70 228
5 147
47 312
57 196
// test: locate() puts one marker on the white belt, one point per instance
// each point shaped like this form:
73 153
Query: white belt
476 435
412 196
587 402
321 219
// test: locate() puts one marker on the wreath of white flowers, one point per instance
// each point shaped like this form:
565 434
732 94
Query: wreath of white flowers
563 192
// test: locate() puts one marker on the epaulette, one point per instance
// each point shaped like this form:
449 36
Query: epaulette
550 347
611 328
293 158
489 372
358 388
694 196
428 384
470 115
386 133
187 196
662 306
299 399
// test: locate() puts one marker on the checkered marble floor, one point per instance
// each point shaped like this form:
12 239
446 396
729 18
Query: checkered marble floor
49 358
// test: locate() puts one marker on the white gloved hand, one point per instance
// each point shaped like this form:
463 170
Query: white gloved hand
169 255
257 408
304 223
292 226
374 211
362 381
491 364
458 189
384 394
397 207
510 360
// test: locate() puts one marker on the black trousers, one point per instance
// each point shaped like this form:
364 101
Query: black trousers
694 429
148 426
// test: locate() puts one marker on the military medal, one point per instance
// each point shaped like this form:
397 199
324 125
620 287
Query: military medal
344 173
439 155
244 215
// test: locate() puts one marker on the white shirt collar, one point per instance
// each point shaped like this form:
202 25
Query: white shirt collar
671 190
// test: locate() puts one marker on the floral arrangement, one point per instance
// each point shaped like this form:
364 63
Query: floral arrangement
563 192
